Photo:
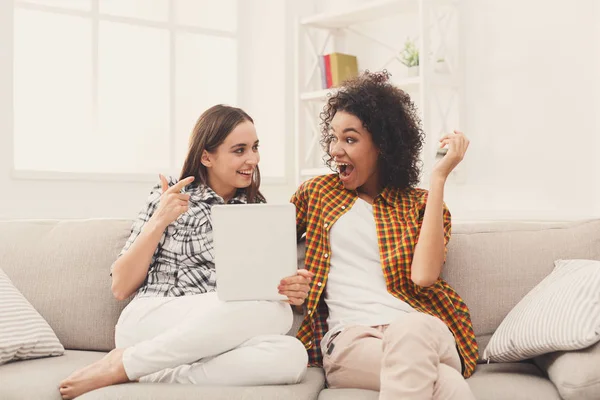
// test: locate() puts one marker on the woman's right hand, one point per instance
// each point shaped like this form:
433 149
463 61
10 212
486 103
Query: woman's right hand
173 203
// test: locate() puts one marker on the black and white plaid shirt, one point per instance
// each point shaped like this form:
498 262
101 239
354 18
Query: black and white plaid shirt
183 262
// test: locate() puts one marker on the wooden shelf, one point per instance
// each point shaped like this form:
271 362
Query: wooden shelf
362 13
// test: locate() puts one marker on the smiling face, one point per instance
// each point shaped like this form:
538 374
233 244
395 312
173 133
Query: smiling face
355 154
232 164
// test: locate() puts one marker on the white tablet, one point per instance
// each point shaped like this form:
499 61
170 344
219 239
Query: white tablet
255 247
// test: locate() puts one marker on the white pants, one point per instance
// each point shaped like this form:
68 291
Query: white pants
201 340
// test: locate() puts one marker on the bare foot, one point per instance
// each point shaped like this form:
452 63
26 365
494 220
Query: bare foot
105 372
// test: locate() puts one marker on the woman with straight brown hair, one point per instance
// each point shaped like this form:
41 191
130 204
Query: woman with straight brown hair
175 329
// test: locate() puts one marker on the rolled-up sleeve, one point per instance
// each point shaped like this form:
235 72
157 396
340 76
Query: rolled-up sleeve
142 218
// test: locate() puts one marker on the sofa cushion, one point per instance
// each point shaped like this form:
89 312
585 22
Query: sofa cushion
561 313
308 389
516 381
348 394
23 332
39 379
494 265
62 268
574 373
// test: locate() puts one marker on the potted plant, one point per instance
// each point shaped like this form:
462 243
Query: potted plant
409 56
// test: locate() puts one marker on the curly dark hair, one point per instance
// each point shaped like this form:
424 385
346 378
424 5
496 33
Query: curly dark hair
391 117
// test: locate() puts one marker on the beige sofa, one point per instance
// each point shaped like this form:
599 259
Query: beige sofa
62 268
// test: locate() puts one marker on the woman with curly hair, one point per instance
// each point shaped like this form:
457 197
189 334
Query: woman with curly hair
378 316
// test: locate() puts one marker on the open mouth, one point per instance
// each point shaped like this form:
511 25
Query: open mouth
345 170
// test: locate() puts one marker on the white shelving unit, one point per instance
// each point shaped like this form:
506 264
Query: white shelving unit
321 95
436 91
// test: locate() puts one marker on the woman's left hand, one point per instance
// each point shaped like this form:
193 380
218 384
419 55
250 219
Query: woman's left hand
457 144
296 287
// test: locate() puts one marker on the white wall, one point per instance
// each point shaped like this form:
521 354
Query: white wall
532 89
266 85
596 147
83 199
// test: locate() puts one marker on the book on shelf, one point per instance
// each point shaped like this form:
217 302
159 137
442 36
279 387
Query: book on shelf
323 68
336 68
328 71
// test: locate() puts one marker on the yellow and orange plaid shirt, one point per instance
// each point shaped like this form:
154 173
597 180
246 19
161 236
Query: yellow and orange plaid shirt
398 214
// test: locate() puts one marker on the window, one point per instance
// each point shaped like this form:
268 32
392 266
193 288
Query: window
115 86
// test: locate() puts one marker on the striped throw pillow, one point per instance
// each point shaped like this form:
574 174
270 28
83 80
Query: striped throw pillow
561 313
24 333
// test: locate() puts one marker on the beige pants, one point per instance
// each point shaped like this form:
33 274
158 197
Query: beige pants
413 358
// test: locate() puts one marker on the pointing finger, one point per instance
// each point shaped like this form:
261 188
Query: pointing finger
176 188
164 183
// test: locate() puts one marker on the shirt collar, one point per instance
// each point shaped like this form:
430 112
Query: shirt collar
205 194
390 195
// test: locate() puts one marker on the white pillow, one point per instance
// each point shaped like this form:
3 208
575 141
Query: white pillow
561 313
24 333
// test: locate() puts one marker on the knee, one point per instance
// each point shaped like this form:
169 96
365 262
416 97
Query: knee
279 316
292 360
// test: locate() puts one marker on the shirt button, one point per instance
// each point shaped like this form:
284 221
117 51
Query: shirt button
309 343
326 225
326 255
180 220
343 207
319 284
